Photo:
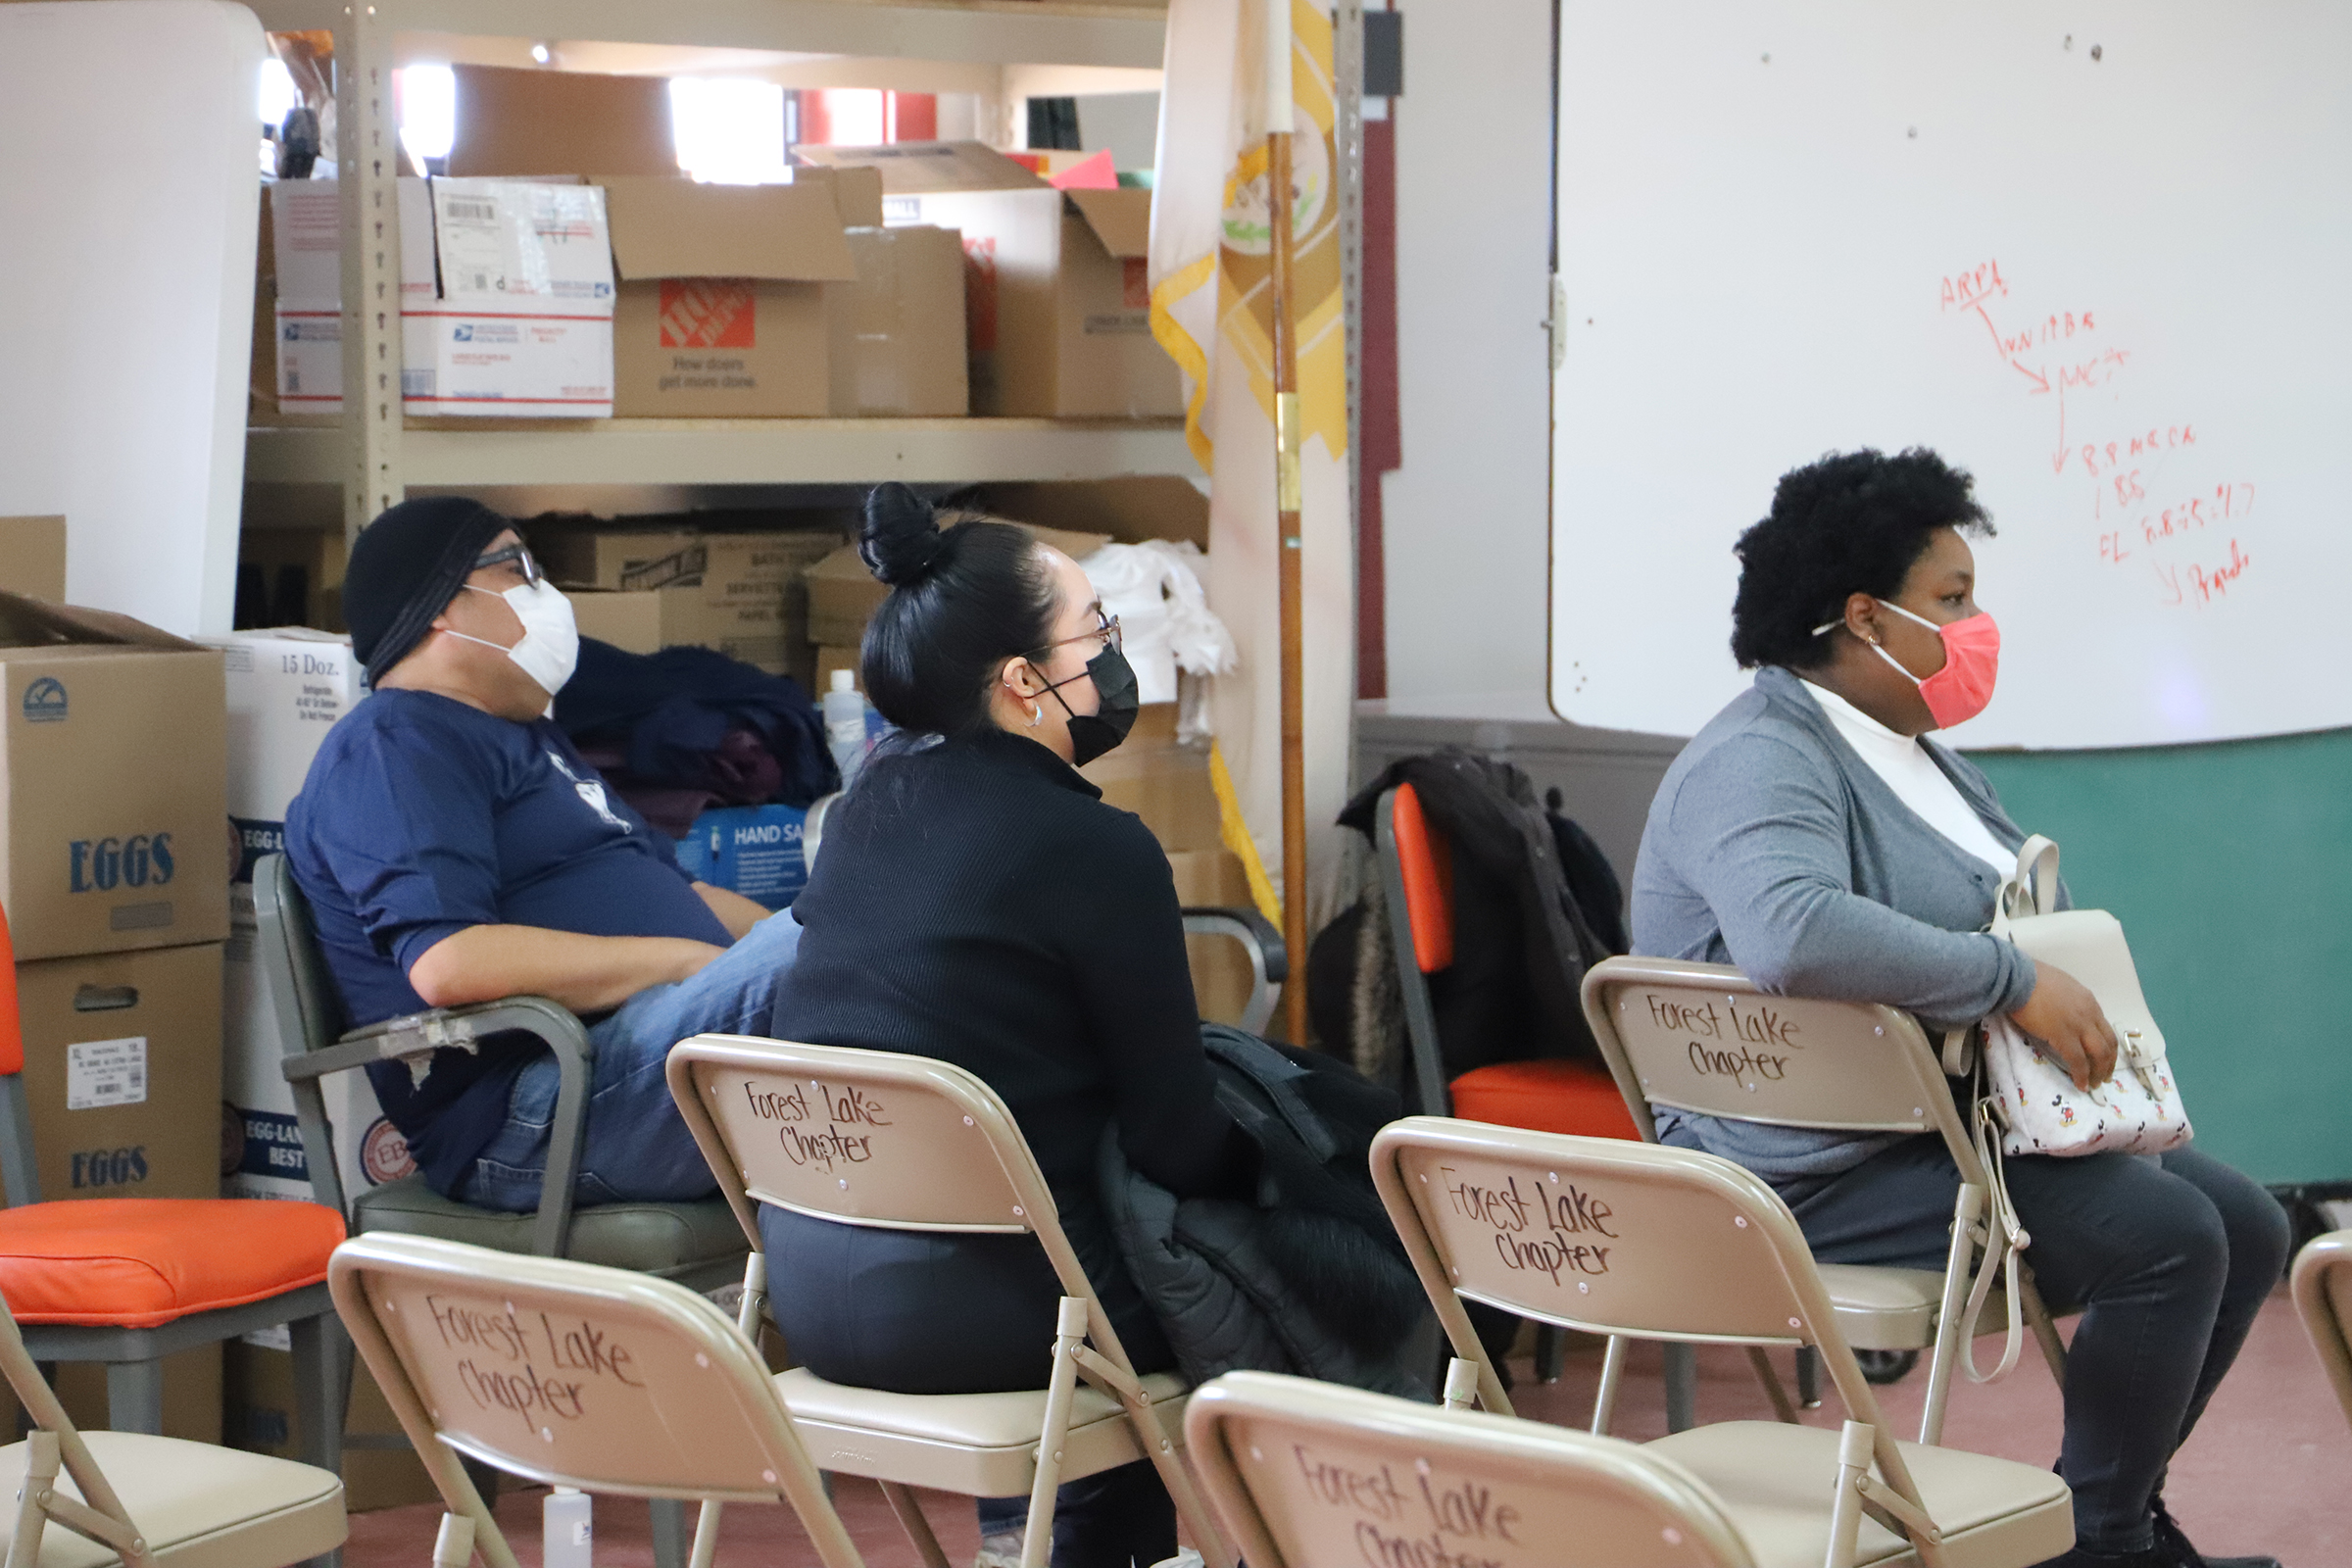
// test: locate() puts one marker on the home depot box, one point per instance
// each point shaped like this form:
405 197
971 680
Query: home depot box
724 297
899 338
33 557
262 1417
122 1072
1059 308
506 298
111 770
286 688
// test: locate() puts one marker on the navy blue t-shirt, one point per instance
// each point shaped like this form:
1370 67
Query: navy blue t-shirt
422 816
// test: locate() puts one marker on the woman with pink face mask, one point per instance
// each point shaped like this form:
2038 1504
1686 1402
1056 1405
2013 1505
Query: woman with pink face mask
1812 835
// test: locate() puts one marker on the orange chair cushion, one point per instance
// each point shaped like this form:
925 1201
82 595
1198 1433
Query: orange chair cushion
1544 1097
137 1262
1425 858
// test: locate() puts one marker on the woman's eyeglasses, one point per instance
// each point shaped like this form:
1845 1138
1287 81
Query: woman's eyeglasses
1106 628
514 556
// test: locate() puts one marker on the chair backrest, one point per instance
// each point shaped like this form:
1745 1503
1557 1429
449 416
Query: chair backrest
1702 1036
2322 1290
875 1138
1606 1236
303 999
574 1374
1420 860
1303 1474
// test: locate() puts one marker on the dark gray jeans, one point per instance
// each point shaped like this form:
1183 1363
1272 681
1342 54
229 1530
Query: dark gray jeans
2169 1257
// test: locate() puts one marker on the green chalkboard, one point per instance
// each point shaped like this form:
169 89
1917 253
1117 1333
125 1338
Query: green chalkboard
2231 867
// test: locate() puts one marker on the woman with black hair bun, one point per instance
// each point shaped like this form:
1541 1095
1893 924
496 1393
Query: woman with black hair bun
1813 836
977 902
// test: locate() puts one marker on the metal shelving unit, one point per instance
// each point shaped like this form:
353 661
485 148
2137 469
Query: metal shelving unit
375 457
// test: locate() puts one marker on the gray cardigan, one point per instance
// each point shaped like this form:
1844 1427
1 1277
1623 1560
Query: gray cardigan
1773 847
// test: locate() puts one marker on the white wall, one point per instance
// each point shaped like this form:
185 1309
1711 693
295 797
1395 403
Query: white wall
1468 513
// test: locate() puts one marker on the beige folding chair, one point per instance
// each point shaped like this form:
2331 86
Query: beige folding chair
143 1501
2323 1287
1610 1237
908 1143
572 1374
1702 1037
1304 1474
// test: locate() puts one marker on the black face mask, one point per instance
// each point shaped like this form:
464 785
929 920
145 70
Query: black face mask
1093 734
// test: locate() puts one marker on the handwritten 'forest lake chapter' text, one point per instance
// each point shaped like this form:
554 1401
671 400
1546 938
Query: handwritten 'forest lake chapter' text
1437 1524
1744 1040
1537 1233
531 1366
844 1110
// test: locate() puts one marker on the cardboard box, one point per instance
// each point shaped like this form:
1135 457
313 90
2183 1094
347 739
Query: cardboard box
1057 297
33 557
260 1418
111 774
650 620
900 343
844 592
723 308
1168 787
751 849
830 657
306 233
733 566
286 688
1130 508
1210 879
291 577
123 1071
506 298
523 122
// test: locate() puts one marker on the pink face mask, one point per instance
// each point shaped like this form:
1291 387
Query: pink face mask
1972 661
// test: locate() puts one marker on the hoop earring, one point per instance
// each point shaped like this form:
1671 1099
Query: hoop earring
1036 715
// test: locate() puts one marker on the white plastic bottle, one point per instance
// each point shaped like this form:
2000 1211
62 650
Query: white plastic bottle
566 1535
845 724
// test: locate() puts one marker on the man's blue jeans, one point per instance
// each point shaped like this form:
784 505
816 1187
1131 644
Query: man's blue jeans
636 1146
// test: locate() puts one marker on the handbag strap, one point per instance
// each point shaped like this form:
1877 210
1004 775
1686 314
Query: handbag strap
2034 889
2005 1243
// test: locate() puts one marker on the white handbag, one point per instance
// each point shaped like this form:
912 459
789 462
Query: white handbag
2138 1110
2026 1104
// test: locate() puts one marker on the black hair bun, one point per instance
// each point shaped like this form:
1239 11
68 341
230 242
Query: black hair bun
902 537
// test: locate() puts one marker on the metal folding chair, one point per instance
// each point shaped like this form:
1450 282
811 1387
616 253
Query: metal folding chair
909 1143
1620 1237
2322 1291
1700 1036
573 1375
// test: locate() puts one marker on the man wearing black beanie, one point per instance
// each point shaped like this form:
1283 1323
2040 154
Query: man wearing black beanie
455 848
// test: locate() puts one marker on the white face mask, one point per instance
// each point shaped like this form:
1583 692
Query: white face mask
551 639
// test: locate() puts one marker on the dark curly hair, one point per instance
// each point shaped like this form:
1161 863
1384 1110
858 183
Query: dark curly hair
1854 522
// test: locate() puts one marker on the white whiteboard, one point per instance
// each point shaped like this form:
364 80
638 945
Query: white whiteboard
1776 224
130 180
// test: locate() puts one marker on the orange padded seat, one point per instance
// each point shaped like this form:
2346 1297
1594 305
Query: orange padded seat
1544 1097
1426 857
139 1262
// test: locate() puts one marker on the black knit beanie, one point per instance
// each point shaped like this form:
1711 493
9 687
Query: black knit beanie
407 564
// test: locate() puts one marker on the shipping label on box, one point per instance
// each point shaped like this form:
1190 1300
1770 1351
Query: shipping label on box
104 849
122 1072
305 226
753 849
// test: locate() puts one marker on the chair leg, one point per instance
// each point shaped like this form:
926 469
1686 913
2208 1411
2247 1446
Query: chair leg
321 1388
902 1502
1809 1377
134 1397
670 1539
1612 1374
1551 1351
1069 1332
1681 1388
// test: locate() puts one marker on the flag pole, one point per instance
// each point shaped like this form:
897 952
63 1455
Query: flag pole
1278 113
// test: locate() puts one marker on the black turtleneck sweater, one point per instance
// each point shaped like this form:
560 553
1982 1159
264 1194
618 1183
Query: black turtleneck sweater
977 902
